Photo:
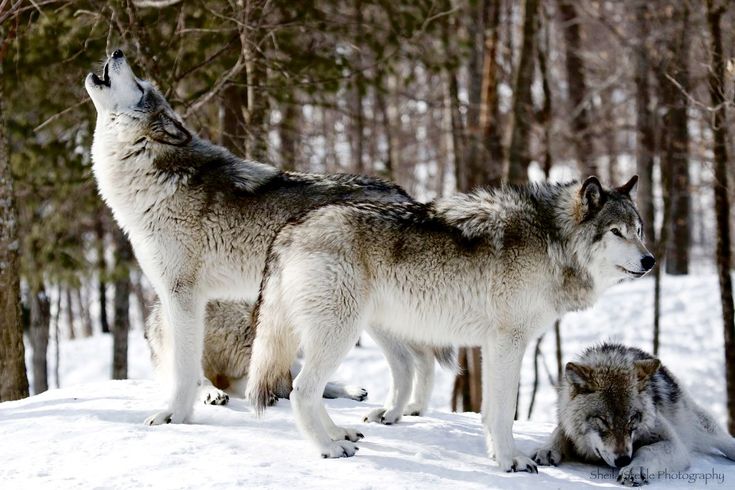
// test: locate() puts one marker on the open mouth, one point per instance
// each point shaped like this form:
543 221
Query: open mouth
105 80
631 273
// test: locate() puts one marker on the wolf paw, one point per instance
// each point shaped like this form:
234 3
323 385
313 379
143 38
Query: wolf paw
413 409
518 463
547 456
215 396
356 393
345 434
338 449
159 418
383 416
633 476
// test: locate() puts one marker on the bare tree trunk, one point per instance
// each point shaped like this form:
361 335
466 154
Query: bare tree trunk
490 108
483 158
290 134
57 339
645 134
518 154
716 81
40 324
121 324
258 104
102 275
84 315
232 120
13 379
137 287
674 82
536 354
576 81
70 333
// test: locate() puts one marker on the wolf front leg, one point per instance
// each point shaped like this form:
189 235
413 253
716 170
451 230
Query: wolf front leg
654 461
501 369
552 452
184 313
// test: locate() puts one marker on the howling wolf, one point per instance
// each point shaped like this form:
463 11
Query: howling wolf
620 406
200 221
491 268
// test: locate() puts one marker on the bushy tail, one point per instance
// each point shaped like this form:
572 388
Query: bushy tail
447 358
274 350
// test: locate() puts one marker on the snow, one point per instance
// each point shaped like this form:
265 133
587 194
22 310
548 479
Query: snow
89 433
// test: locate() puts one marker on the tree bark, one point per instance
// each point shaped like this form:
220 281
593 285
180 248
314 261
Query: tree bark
232 120
716 82
483 158
40 325
290 134
121 324
70 333
519 153
85 317
674 83
645 133
102 275
13 379
577 84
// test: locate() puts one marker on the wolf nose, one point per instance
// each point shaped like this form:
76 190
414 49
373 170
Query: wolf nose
621 461
648 262
117 53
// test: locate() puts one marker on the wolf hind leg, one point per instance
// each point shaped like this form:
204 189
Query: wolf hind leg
401 364
339 390
326 342
210 394
710 435
423 381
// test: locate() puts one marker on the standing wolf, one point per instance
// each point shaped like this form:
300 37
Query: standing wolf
491 268
200 221
618 405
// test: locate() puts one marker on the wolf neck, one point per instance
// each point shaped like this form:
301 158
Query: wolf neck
137 176
539 218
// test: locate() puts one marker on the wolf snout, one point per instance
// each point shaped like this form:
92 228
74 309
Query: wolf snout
622 461
117 54
647 262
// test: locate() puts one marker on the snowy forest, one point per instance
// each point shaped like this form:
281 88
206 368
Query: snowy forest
438 96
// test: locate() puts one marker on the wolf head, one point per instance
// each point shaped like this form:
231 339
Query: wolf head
129 108
610 232
604 407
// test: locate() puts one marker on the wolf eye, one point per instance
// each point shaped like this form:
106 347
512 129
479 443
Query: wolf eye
616 232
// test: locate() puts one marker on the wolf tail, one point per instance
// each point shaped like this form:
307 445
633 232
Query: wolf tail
447 358
274 350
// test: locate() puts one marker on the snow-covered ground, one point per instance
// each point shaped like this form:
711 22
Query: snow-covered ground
89 433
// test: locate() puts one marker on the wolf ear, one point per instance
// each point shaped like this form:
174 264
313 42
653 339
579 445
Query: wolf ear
579 376
591 196
644 370
167 130
629 188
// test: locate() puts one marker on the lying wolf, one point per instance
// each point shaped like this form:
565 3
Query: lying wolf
492 268
200 221
619 406
228 341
